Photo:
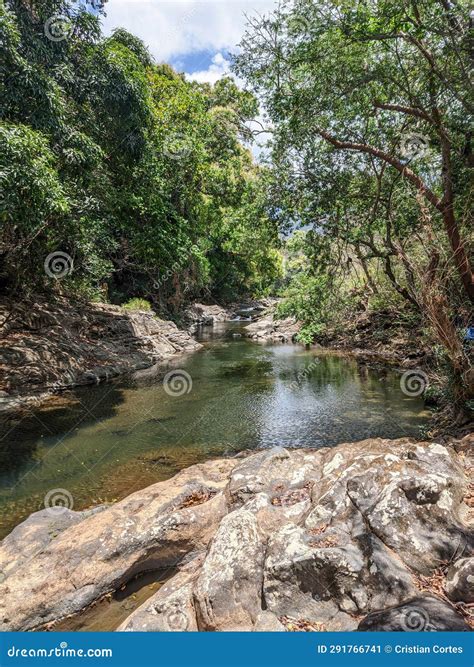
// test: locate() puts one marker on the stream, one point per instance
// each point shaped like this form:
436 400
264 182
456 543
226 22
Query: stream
113 439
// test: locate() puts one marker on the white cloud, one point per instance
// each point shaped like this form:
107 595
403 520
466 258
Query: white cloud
218 68
173 29
178 27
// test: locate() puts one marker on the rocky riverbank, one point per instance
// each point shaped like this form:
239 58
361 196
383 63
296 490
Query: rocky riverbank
47 347
378 338
381 337
374 535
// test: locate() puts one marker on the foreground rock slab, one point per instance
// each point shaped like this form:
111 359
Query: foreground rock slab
421 614
358 536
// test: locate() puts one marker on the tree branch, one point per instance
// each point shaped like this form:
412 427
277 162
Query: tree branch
390 159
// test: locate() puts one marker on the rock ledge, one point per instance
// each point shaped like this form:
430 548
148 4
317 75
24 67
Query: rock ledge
374 535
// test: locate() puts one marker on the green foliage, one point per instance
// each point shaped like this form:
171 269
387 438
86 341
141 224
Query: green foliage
138 175
371 110
137 304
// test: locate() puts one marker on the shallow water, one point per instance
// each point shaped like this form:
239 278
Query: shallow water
107 614
116 438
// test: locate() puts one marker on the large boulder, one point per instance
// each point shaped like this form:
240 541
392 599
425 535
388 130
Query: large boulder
228 589
410 497
207 314
151 529
269 328
297 539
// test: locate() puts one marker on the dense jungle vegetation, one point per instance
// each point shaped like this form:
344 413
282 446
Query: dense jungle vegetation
371 107
146 180
138 175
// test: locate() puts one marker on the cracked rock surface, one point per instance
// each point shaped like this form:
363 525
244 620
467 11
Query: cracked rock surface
335 539
47 347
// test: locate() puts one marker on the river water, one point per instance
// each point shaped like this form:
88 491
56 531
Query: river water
113 439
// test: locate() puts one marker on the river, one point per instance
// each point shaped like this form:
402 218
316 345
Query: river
113 439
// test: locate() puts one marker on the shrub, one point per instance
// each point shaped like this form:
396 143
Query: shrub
137 304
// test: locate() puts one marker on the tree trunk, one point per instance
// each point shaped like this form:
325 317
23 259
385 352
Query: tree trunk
459 252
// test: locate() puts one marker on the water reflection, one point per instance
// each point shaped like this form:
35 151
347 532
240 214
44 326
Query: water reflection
117 438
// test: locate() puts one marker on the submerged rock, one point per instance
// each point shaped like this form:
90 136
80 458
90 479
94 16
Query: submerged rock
316 539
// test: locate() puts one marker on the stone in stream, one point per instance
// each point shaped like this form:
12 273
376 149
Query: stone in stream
271 329
311 538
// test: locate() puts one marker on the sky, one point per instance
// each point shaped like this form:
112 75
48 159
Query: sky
194 36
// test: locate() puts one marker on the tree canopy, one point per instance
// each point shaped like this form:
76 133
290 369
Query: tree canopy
370 107
142 178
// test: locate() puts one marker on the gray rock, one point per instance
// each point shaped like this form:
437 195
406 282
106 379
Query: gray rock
268 622
274 472
312 538
228 589
270 329
420 614
459 584
84 345
207 314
